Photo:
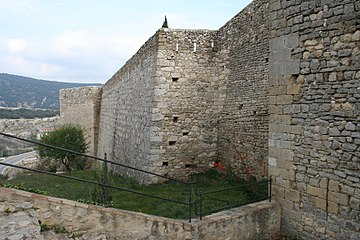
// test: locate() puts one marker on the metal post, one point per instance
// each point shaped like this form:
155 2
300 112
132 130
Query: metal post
201 203
270 183
196 199
190 199
105 181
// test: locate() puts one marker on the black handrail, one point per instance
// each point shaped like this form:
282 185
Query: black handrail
236 187
89 156
191 201
201 194
93 182
232 206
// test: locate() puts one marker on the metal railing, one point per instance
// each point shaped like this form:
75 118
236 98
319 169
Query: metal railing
259 197
195 199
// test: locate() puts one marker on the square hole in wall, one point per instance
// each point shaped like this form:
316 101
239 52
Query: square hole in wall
165 164
185 133
175 119
175 79
171 143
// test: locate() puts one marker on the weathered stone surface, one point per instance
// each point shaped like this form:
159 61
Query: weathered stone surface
179 94
19 225
88 222
82 106
326 171
279 83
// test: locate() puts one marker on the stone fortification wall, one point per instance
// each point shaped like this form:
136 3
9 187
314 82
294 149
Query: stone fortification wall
164 109
243 125
189 94
81 106
20 212
159 111
126 111
314 145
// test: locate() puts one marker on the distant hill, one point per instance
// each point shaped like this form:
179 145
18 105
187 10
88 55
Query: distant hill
18 91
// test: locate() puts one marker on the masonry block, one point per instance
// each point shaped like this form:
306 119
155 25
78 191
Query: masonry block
320 203
278 191
333 207
293 89
292 195
334 186
284 99
339 198
315 191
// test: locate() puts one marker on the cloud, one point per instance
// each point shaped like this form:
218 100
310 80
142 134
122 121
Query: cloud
16 45
20 7
19 64
72 56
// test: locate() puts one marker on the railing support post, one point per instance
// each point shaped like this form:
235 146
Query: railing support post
105 181
270 183
190 199
201 203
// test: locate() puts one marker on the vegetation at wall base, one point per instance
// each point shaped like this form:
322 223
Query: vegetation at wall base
81 191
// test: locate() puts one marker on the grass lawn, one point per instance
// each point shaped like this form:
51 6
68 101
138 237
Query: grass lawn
80 191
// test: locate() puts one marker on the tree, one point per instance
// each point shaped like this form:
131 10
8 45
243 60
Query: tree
69 137
165 24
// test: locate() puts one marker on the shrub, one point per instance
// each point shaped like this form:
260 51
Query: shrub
70 137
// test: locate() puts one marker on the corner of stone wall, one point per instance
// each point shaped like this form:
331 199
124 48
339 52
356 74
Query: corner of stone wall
313 144
81 106
244 116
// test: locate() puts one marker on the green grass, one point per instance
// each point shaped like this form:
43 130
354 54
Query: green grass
79 191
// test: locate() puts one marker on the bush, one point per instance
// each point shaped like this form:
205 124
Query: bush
70 137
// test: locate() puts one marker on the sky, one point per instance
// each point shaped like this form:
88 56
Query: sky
87 41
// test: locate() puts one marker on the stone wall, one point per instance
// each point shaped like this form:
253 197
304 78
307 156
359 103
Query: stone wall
189 94
243 124
161 107
20 212
126 112
314 116
164 109
81 106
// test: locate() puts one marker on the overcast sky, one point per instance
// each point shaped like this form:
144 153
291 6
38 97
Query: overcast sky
89 40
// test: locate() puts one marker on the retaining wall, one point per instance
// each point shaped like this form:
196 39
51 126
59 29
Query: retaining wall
254 221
